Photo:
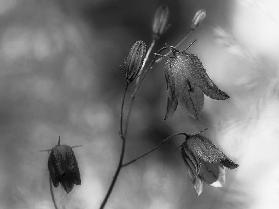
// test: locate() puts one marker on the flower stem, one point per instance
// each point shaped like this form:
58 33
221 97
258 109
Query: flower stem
52 194
120 162
165 140
124 128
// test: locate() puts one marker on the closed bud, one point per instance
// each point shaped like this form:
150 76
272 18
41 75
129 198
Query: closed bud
160 21
63 167
134 60
198 18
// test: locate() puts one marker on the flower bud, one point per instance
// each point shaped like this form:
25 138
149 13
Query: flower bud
198 18
63 167
160 21
134 60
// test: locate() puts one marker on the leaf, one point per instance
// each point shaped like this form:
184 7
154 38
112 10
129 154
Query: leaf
199 77
192 99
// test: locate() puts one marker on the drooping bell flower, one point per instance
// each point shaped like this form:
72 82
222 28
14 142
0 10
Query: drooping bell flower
205 162
187 81
63 167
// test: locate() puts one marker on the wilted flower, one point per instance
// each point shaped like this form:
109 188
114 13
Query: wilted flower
187 81
63 167
160 21
205 162
198 18
134 60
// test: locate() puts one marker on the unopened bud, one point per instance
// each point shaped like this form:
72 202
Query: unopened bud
160 20
198 18
134 60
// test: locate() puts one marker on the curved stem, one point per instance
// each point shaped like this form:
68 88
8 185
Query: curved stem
124 129
153 149
120 162
52 193
116 174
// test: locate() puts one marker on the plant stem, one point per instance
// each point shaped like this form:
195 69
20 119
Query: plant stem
138 84
165 140
52 194
120 162
124 129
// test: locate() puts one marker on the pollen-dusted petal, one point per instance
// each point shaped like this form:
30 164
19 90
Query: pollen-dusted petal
209 172
172 99
192 99
198 76
229 163
204 149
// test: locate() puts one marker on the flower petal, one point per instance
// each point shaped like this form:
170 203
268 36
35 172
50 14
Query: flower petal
192 99
209 172
198 186
229 163
204 149
172 100
221 179
190 159
200 78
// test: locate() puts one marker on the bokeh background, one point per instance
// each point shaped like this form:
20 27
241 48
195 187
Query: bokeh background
59 75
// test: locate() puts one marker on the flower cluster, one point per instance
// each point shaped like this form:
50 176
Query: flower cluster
205 162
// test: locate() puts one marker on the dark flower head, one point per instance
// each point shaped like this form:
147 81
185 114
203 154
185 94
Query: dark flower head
187 81
134 60
63 167
160 21
205 162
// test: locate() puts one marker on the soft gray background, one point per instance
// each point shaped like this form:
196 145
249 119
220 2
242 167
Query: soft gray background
59 75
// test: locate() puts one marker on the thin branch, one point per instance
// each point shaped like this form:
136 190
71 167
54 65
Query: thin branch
154 148
120 162
52 193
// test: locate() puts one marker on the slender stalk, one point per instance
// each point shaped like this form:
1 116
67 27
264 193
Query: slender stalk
52 193
122 154
153 149
138 84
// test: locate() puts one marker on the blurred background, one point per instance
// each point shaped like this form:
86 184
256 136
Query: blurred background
59 75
